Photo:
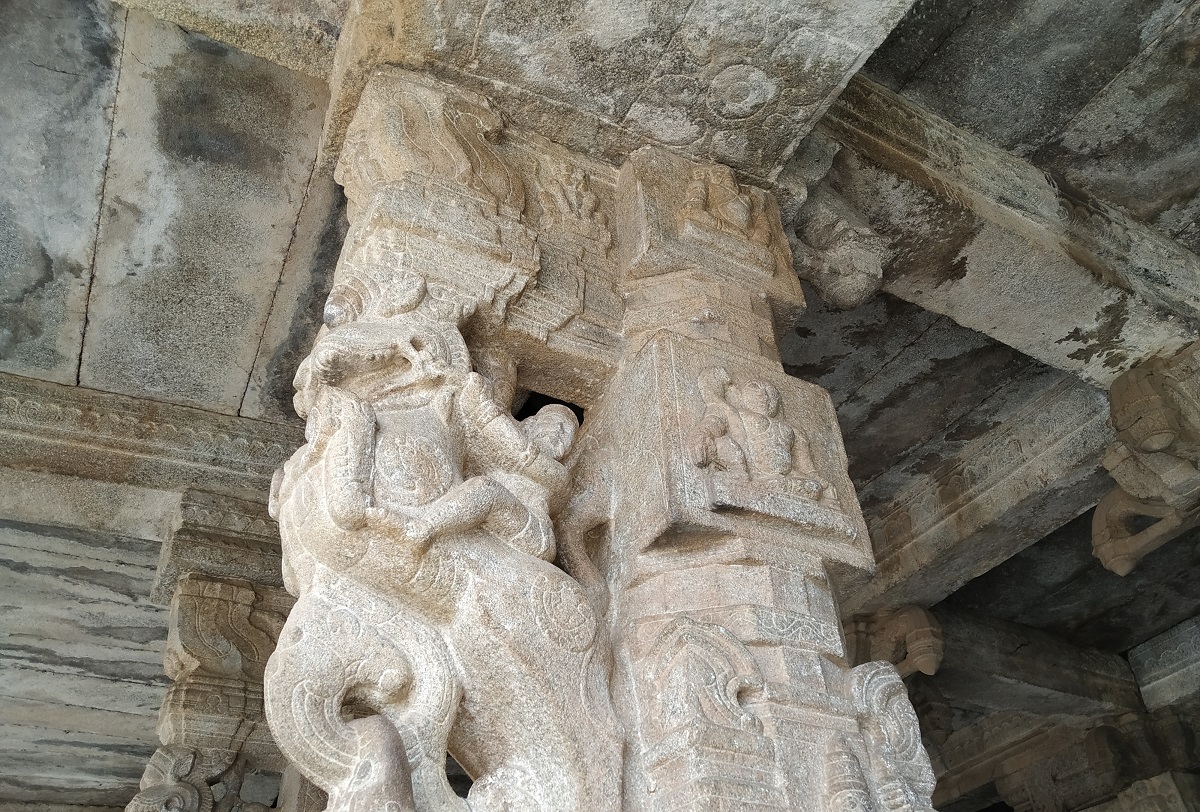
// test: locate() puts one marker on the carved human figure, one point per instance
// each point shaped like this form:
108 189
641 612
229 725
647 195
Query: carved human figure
742 434
715 201
417 534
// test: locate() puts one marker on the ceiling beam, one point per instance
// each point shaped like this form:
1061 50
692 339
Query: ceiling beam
991 241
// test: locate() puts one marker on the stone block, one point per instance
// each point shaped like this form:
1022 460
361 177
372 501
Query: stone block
211 155
60 60
1167 667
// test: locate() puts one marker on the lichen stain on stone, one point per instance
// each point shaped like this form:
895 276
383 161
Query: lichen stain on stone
1103 340
1148 128
221 107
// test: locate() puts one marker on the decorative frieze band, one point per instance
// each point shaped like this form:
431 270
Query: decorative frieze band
97 435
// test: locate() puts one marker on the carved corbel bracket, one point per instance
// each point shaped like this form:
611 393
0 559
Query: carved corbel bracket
182 779
221 633
1154 460
211 724
833 245
909 638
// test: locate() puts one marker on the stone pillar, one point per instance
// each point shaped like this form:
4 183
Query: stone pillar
713 498
219 571
687 650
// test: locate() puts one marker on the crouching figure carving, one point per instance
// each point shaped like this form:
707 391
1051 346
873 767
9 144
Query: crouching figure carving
417 537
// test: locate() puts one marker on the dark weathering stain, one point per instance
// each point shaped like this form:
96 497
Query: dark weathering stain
1104 339
309 315
918 410
122 669
131 588
222 107
26 271
931 255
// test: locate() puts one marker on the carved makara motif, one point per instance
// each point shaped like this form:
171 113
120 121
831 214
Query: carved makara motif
177 779
1155 460
417 536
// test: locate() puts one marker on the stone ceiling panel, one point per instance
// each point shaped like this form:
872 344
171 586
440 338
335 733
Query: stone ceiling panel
1137 142
211 156
60 60
1015 72
734 82
1058 585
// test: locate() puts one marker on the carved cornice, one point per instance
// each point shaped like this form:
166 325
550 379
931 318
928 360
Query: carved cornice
916 144
219 536
97 435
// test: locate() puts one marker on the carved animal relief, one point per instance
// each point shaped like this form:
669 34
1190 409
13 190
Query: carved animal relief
629 615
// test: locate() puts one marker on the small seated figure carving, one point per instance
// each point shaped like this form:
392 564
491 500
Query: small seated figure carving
741 435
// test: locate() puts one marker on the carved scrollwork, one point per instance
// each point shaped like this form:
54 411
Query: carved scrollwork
899 766
702 678
177 779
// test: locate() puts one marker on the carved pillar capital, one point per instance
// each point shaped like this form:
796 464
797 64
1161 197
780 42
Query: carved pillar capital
1154 460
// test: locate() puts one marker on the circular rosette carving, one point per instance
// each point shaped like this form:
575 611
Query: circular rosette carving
740 91
562 612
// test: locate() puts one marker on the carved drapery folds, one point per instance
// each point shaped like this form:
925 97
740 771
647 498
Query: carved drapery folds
1155 460
686 652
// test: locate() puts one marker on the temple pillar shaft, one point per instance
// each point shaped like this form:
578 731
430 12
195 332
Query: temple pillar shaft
633 614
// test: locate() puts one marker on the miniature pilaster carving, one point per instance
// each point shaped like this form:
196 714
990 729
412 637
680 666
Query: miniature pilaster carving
220 536
1154 459
211 722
